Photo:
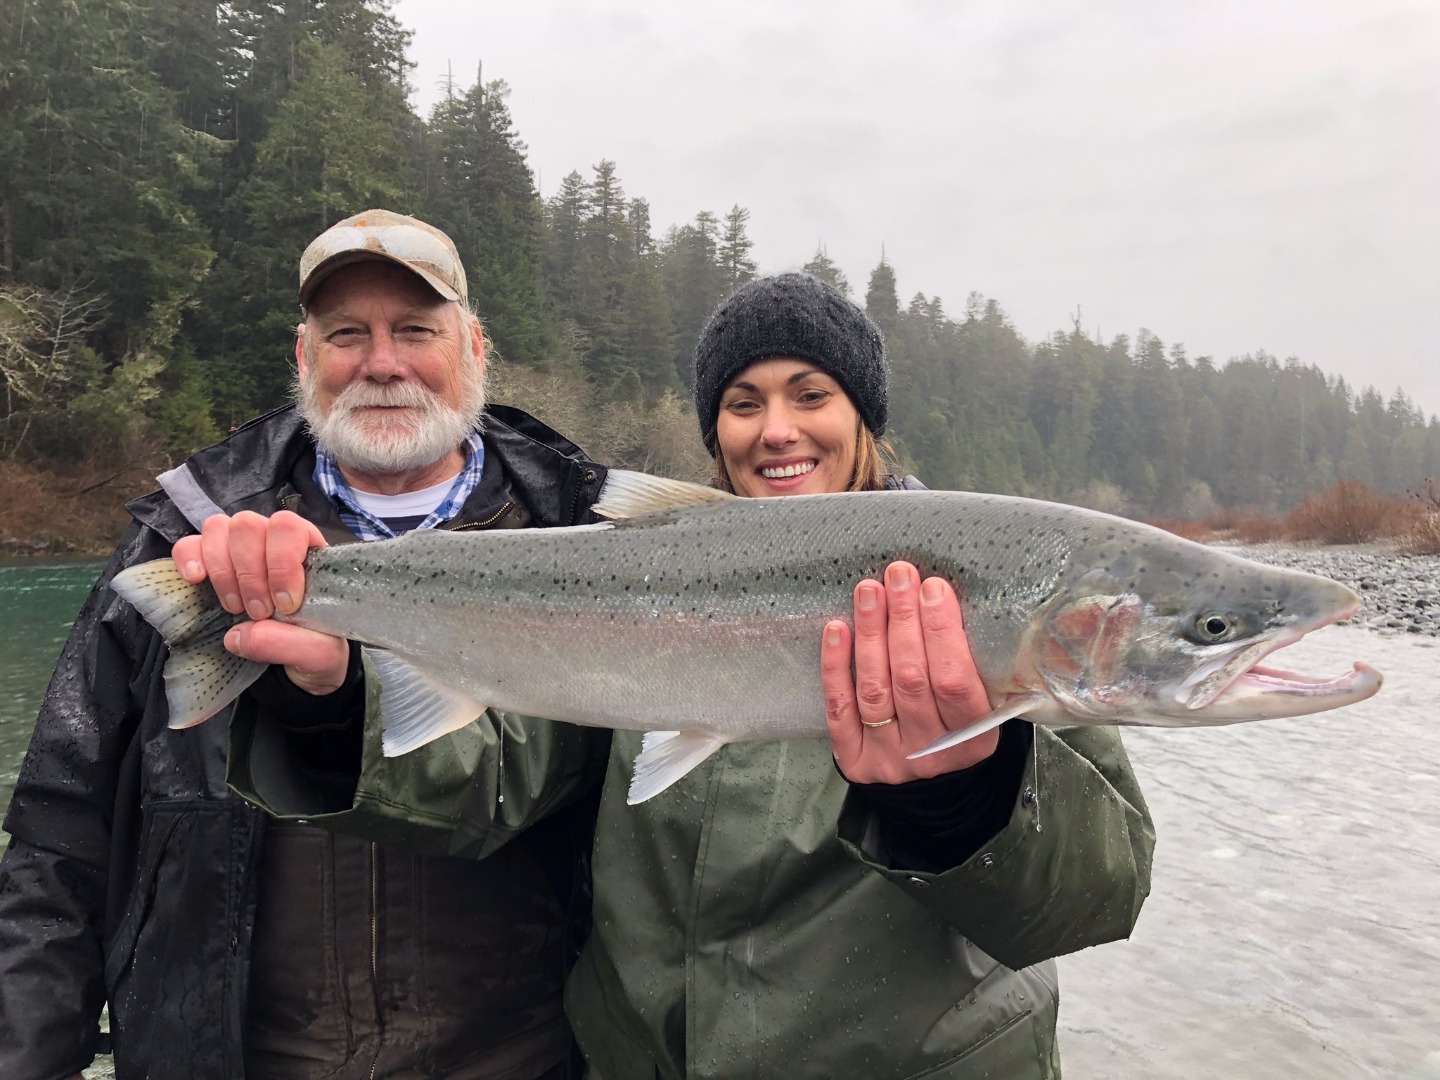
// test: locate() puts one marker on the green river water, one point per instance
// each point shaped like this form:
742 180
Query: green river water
39 601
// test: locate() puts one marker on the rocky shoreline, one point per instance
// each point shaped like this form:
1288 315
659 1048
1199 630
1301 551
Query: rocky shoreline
1401 592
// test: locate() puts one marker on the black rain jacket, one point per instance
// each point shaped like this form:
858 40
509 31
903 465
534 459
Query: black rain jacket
130 874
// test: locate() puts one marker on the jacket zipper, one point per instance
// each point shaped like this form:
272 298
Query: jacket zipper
375 874
375 957
588 478
483 524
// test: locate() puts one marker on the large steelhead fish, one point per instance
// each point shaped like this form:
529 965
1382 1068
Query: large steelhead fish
696 616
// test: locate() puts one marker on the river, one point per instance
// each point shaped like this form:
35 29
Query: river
1293 929
39 601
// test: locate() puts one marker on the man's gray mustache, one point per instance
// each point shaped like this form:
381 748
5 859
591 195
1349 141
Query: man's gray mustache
400 395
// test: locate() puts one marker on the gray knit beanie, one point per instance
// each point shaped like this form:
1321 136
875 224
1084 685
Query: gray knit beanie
792 315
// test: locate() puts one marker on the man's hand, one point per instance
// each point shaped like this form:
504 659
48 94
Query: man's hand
255 565
911 662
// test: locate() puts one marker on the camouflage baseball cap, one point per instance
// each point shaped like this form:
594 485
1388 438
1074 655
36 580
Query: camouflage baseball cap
382 234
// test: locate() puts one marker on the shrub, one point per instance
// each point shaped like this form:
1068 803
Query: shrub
1347 512
1422 535
1104 496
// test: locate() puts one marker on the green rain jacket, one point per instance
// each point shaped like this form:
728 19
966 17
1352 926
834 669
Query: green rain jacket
746 923
747 926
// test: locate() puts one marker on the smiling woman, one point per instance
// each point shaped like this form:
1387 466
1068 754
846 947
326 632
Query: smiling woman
786 428
796 858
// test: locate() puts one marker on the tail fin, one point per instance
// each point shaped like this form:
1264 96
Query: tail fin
201 677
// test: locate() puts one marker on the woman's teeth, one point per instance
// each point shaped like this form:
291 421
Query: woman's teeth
788 470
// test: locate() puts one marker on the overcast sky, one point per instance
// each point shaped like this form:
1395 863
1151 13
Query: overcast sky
1235 176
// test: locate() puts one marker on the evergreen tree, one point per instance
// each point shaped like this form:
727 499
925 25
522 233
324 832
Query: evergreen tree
604 269
734 252
640 227
882 299
479 189
564 217
193 59
822 267
695 282
1113 446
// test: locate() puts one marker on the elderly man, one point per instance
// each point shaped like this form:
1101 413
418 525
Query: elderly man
229 944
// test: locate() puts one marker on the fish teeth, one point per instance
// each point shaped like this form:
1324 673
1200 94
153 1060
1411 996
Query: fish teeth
788 470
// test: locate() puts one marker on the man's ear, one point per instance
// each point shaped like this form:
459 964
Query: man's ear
300 348
477 341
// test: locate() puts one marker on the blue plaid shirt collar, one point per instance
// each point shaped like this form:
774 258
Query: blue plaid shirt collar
368 527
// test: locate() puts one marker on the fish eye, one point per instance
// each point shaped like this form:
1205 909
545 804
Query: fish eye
1214 626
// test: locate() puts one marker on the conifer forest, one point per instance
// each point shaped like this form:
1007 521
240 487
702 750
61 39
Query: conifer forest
164 162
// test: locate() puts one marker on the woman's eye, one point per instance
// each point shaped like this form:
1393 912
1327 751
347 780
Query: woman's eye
813 397
742 406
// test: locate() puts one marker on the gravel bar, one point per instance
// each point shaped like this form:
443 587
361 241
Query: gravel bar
1401 592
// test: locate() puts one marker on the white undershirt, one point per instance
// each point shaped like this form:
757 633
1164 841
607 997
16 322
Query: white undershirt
405 505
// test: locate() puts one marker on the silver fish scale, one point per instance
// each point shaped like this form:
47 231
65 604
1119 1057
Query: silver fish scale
710 616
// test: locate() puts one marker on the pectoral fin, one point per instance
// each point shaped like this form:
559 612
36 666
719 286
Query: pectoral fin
666 756
415 709
1013 707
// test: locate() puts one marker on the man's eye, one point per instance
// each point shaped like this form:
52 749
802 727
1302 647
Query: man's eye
417 331
346 335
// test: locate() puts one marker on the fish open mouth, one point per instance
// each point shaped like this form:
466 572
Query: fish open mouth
1244 688
1266 684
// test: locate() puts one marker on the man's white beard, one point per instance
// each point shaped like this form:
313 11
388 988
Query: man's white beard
397 442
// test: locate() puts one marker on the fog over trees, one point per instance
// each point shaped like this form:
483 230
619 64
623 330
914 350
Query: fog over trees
166 161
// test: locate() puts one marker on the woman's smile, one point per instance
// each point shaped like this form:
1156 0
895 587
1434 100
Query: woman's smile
786 427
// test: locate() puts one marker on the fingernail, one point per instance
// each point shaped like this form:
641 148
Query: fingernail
896 577
866 600
282 602
931 591
256 609
232 638
832 634
232 603
194 571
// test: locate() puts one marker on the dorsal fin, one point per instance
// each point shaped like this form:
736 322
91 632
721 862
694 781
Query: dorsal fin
629 494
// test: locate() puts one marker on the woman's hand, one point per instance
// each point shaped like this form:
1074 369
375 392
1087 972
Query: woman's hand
256 566
911 662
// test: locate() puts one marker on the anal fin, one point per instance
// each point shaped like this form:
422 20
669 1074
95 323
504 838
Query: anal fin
665 757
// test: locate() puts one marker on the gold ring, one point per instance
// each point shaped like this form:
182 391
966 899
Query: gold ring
877 723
